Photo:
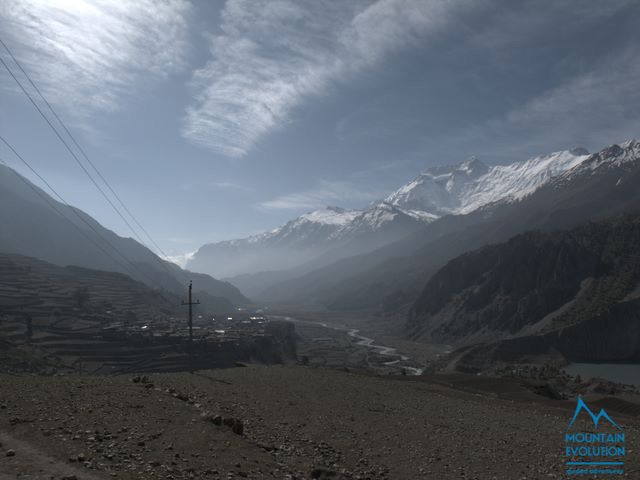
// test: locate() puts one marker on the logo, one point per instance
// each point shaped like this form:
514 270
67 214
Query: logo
597 452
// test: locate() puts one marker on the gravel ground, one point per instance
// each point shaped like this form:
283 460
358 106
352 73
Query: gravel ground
280 422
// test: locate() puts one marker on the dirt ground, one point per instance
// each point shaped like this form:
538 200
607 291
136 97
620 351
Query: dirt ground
296 423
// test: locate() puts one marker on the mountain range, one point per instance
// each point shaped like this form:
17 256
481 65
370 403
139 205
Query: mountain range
486 204
37 225
389 278
319 238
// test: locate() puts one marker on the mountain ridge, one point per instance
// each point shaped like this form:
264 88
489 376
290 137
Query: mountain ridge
436 192
400 269
573 292
36 227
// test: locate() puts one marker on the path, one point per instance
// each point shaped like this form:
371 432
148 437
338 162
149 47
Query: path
31 463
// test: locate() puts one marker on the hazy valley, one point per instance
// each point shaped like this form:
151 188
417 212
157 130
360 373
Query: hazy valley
468 269
368 240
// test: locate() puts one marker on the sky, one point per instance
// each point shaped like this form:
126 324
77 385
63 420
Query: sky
216 120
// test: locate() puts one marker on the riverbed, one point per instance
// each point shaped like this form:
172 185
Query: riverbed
403 363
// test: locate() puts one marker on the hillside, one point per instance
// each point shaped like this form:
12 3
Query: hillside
37 225
33 287
575 292
55 319
51 316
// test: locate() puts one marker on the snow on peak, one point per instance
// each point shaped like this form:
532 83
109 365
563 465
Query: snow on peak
630 144
438 191
330 216
625 152
180 259
471 167
611 156
471 184
442 190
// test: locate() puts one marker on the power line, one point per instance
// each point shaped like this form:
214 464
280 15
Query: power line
81 149
73 154
70 150
54 208
63 201
75 211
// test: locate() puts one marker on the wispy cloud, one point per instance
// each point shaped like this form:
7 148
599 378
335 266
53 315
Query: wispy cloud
230 186
88 56
590 109
205 185
587 103
272 55
323 194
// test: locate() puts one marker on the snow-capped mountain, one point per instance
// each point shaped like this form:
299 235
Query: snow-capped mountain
438 191
626 154
307 229
281 248
602 186
470 185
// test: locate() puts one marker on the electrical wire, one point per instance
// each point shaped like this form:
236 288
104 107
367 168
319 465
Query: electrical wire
73 154
132 268
80 149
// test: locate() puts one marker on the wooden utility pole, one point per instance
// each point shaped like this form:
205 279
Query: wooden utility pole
191 303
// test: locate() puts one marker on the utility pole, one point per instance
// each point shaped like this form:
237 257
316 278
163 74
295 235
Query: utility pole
191 303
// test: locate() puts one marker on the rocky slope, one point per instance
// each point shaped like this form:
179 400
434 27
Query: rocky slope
303 423
575 293
36 225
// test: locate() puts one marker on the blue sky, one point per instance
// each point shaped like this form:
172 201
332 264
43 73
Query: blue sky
215 120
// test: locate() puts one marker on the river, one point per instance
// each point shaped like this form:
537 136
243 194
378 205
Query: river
396 358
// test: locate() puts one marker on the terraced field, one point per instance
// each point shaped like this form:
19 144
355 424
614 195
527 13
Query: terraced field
55 319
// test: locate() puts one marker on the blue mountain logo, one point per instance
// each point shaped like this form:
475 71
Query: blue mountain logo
596 418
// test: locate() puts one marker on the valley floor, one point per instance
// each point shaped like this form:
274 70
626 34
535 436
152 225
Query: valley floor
298 422
360 341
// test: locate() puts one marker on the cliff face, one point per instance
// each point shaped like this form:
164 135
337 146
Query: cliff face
278 345
613 337
574 293
502 288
